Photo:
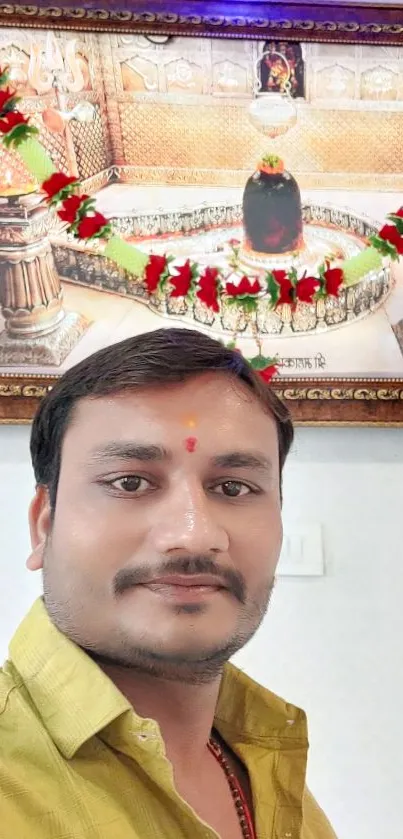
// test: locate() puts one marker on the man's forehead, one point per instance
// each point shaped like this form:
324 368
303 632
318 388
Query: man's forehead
212 393
213 405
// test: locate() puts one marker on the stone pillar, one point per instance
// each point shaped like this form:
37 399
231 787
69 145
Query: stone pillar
37 329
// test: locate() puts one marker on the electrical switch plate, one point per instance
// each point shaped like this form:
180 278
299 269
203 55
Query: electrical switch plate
302 553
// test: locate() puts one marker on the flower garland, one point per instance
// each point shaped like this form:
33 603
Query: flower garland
162 274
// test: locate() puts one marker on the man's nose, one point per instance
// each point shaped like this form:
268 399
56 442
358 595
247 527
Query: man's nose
189 521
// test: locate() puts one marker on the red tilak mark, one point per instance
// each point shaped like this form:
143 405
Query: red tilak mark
190 444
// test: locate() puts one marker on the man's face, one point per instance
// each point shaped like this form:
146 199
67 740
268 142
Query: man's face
156 486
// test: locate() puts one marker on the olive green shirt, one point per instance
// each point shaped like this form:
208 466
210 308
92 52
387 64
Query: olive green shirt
77 762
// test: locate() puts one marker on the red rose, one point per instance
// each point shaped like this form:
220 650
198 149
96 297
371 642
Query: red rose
5 96
70 207
333 280
399 213
246 286
153 272
182 280
268 373
91 225
56 183
286 288
208 289
10 121
306 289
391 234
279 275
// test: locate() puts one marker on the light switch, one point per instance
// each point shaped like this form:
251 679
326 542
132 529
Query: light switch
302 553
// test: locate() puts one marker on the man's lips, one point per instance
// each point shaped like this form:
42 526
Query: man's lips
183 581
186 589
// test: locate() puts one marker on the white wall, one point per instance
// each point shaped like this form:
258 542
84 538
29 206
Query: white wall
331 644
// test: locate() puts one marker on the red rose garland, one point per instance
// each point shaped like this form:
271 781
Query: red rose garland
182 280
58 187
307 288
267 371
209 288
265 367
209 285
8 99
77 210
392 240
246 288
333 280
155 272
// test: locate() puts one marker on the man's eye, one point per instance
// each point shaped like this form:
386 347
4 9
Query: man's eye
130 483
234 489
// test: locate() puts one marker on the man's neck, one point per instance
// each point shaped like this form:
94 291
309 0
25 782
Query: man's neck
184 712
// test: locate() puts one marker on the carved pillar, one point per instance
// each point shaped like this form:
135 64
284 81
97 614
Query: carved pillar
30 290
37 329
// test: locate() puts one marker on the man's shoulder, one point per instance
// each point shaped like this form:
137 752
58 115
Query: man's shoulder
14 704
315 824
8 684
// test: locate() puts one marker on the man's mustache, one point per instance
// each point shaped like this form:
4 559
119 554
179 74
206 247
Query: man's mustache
190 566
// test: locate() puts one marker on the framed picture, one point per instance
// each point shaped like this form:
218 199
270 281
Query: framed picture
252 149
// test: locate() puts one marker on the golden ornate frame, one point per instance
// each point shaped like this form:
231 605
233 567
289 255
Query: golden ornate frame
313 401
341 401
364 21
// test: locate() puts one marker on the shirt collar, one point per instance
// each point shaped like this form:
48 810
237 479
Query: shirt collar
73 696
76 700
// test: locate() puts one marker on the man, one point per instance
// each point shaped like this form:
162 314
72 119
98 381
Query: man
157 525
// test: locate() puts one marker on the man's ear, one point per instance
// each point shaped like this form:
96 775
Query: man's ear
40 520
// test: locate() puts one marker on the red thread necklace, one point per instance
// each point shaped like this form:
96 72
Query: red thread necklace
241 805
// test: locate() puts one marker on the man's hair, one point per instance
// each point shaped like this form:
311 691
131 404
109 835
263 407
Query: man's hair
153 358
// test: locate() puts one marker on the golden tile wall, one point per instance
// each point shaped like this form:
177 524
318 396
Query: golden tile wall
220 136
178 111
171 124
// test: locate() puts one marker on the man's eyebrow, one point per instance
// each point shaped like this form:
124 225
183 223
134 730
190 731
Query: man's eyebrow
243 460
118 450
128 451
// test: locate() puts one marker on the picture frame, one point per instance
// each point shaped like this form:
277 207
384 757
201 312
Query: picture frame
358 398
